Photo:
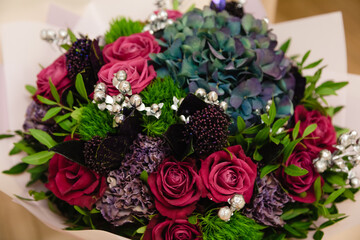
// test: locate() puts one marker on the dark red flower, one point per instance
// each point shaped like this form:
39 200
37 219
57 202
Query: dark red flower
58 74
178 229
301 187
73 183
227 173
172 14
324 137
177 188
138 45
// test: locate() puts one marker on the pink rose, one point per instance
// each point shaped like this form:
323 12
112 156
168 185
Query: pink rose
177 188
226 174
58 74
324 137
172 14
73 183
139 74
160 229
138 45
301 187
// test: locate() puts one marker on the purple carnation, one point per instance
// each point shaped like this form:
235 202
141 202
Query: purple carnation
126 196
266 207
34 115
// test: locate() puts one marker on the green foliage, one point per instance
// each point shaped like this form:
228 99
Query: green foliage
161 91
239 227
122 27
94 122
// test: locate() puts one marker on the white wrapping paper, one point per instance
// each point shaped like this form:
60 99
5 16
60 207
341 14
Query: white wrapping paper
320 34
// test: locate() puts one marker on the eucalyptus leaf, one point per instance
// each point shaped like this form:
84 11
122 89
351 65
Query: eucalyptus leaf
43 137
38 158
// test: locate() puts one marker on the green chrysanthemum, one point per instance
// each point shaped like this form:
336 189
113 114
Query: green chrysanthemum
94 123
161 91
122 27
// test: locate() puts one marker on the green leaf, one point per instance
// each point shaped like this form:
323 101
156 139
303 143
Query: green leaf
292 213
309 129
268 169
305 57
284 47
317 188
66 125
37 195
144 176
45 100
65 46
43 137
325 91
254 129
257 156
94 211
61 118
141 230
23 146
51 113
278 124
313 64
272 113
349 194
72 36
30 89
265 119
335 179
175 4
77 114
240 124
14 150
3 136
81 211
18 168
333 196
38 158
318 235
193 219
54 91
330 222
292 230
70 99
80 86
289 148
295 171
295 131
262 135
38 169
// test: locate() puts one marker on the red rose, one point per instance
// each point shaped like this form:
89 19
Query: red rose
177 187
73 183
139 74
159 229
301 187
138 45
172 14
58 74
227 174
324 137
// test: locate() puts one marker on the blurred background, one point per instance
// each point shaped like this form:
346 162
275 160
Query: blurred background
16 223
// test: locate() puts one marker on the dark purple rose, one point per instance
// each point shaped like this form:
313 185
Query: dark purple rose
138 45
58 74
73 183
179 229
226 173
324 137
301 187
177 188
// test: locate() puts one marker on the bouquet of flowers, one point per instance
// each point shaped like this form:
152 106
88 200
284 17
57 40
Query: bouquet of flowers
187 126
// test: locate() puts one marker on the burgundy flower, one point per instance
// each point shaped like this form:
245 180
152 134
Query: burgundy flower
227 173
58 74
138 45
177 188
139 74
178 229
324 137
301 187
74 183
172 14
